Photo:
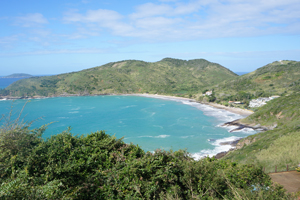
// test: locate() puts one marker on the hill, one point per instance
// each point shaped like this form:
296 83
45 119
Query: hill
277 147
18 75
168 76
277 78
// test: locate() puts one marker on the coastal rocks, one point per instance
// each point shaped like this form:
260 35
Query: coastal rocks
232 143
239 126
244 142
237 144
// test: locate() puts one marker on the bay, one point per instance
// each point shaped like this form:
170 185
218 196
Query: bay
151 123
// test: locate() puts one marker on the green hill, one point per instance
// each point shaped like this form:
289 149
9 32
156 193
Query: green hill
168 76
278 147
277 78
18 75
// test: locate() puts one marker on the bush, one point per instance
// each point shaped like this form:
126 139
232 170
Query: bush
100 166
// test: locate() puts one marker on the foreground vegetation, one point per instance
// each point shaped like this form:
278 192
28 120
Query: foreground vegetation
279 146
99 166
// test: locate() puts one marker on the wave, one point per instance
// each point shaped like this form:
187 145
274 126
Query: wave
158 126
78 108
125 107
219 147
74 112
243 130
221 114
159 136
187 136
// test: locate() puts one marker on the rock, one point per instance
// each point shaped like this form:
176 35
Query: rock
241 126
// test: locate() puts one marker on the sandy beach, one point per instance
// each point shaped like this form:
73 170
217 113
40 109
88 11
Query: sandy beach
239 111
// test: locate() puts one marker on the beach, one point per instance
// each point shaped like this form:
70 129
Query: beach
239 111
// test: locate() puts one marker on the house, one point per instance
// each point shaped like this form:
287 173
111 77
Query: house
208 93
237 102
261 101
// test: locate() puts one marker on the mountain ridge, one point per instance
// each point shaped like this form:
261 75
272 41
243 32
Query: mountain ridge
168 76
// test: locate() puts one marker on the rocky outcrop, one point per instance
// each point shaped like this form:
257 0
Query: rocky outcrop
244 142
239 126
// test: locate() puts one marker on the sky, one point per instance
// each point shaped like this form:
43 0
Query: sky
60 36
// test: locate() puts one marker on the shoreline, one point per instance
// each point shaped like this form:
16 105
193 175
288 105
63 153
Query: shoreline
239 111
231 109
242 112
215 105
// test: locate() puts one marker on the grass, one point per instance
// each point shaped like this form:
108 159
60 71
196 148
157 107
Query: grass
278 147
277 78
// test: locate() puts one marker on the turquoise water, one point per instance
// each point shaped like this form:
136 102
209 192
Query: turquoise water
149 122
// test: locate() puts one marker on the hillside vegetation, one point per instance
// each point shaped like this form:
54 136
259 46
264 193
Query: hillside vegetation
277 78
277 147
168 76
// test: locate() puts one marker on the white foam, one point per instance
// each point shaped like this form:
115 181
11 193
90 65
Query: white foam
231 128
159 136
78 108
125 107
152 114
221 114
162 136
218 148
73 112
158 126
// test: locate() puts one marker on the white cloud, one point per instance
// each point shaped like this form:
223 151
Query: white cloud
150 9
196 19
31 20
8 39
62 51
93 16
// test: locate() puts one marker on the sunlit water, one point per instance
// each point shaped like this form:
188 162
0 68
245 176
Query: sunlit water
151 123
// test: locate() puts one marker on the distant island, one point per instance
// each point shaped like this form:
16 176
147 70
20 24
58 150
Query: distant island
18 75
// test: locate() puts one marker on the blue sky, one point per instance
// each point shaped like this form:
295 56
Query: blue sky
58 36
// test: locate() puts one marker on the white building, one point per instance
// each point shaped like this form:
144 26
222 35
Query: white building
261 101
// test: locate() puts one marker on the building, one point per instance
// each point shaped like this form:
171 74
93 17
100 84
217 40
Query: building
261 101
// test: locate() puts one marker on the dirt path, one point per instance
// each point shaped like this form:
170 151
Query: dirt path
289 180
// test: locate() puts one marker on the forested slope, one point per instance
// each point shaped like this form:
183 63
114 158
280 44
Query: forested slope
277 78
168 76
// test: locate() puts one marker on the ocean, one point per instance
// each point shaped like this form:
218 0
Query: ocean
151 123
4 82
